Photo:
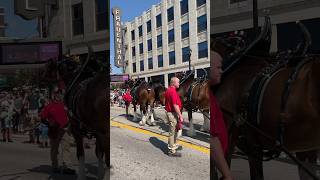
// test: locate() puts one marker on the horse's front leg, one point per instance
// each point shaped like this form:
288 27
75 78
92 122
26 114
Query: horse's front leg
143 110
150 114
255 156
191 132
80 153
135 112
206 123
102 149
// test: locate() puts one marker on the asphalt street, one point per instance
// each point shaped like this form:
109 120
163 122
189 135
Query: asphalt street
139 153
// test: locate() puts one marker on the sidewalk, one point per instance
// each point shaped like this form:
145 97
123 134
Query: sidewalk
201 139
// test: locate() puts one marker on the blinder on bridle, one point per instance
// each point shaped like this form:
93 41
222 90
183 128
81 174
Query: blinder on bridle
186 76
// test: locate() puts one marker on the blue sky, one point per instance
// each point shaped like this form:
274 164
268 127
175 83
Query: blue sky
17 27
130 9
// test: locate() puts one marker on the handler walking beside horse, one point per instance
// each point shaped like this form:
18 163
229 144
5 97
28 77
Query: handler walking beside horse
57 117
218 130
173 107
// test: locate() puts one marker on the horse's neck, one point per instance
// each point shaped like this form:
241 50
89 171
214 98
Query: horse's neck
314 82
184 87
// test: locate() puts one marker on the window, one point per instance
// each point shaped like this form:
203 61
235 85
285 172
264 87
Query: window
184 6
203 50
101 15
200 2
134 67
132 35
149 44
184 30
170 14
140 31
150 63
185 54
159 22
148 26
172 58
141 65
133 51
140 48
159 40
160 61
77 19
171 36
202 23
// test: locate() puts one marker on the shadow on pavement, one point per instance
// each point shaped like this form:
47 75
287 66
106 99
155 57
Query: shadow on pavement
205 137
159 144
46 169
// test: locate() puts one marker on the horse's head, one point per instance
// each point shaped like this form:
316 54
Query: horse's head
67 68
50 73
228 46
131 83
185 76
159 90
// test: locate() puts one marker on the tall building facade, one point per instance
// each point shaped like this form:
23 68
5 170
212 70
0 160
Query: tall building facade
157 43
232 15
81 22
2 23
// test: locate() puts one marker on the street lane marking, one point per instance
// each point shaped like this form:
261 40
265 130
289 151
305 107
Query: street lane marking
162 137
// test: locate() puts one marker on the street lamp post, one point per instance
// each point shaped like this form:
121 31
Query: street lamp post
190 51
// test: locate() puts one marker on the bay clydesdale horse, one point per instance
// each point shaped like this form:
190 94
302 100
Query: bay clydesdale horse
281 100
145 94
85 97
195 96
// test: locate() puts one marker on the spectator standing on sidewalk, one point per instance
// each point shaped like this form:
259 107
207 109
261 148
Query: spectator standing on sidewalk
56 114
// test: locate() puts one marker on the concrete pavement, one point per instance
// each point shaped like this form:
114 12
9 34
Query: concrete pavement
20 161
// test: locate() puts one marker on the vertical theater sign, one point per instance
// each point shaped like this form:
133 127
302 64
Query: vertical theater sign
118 58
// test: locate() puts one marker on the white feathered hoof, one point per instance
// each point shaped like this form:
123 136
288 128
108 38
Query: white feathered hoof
153 124
191 133
141 123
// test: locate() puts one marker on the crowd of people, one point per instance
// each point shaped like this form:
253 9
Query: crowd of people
41 115
19 110
116 97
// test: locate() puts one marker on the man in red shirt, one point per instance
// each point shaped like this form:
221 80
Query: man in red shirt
55 115
218 130
127 100
173 107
